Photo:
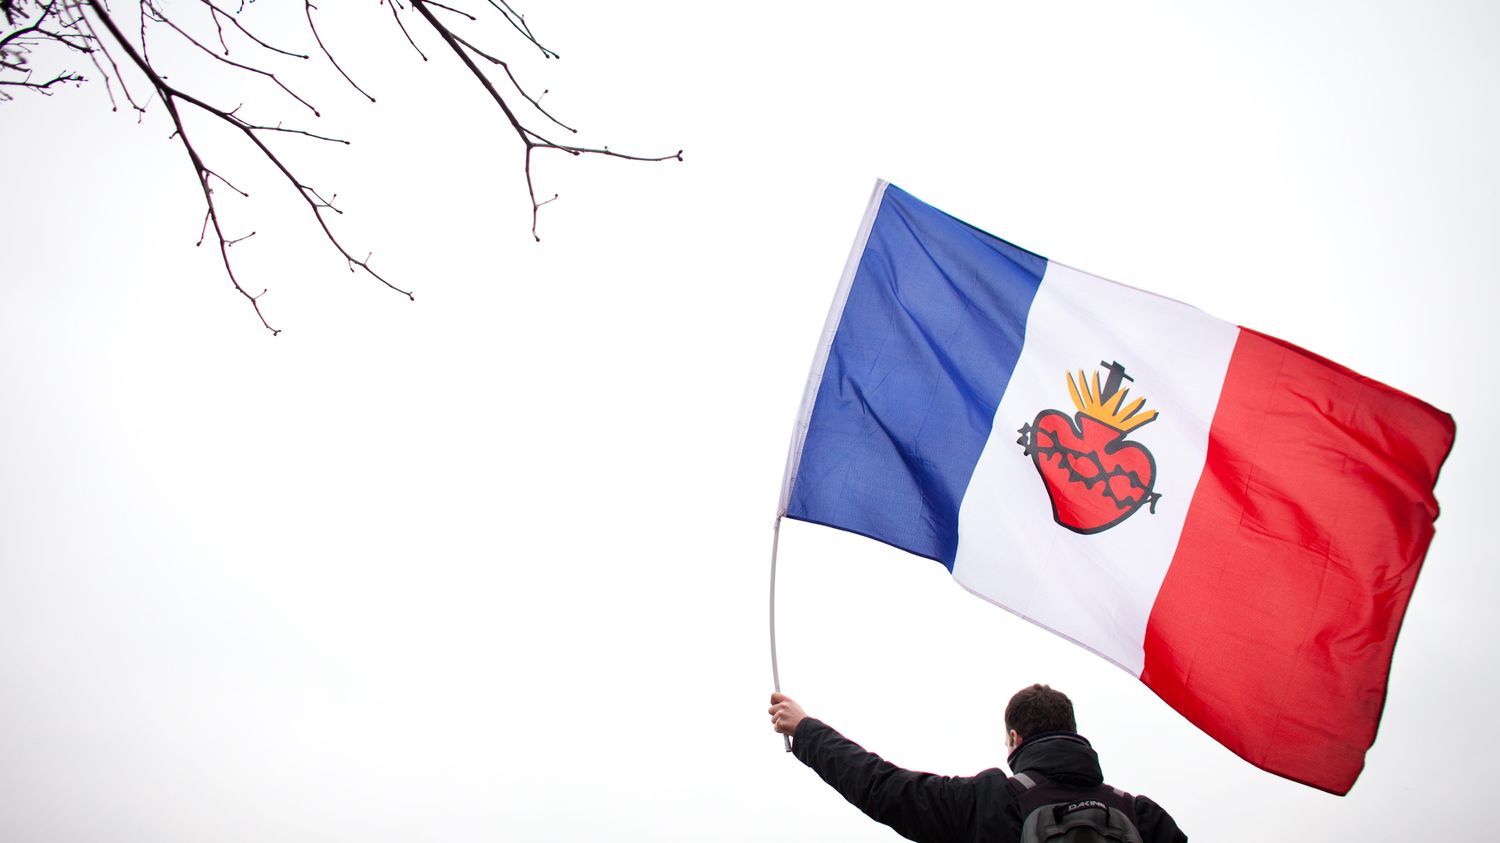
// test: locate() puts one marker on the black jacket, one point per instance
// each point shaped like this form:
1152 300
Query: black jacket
972 809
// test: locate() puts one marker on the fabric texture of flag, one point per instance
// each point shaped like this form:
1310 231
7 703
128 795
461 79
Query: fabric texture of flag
1234 520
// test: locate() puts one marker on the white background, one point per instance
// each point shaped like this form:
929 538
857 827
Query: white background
492 565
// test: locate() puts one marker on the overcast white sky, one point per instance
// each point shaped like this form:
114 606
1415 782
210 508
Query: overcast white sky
492 565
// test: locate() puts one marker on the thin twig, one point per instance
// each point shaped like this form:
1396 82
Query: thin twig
120 77
451 9
308 7
247 33
42 87
394 14
517 20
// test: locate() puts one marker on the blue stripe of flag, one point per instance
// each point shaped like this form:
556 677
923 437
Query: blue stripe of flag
926 344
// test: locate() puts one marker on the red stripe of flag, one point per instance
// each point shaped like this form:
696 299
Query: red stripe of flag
1274 628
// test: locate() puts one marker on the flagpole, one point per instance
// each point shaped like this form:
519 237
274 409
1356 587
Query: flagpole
775 668
810 395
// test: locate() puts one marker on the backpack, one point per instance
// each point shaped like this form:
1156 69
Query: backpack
1056 814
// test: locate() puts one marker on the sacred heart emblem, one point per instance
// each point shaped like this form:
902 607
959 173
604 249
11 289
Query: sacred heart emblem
1095 477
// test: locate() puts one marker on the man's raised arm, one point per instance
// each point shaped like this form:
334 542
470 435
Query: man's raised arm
919 806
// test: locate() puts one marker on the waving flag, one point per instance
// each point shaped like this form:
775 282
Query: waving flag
1232 519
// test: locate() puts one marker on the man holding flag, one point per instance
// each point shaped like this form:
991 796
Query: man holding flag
1057 793
1235 521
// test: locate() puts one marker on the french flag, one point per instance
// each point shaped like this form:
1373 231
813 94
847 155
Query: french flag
1234 520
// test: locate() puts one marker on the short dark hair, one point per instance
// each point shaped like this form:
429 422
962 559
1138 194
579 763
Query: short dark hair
1039 709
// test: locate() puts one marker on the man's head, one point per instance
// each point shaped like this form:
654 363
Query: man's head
1035 710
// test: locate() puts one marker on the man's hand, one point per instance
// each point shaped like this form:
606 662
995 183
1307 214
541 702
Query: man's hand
785 713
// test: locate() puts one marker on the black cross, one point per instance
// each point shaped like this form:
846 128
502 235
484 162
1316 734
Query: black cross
1112 383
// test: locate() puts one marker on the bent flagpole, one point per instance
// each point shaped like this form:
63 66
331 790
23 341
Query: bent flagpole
815 378
809 396
775 668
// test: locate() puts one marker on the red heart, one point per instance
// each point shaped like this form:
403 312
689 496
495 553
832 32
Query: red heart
1095 478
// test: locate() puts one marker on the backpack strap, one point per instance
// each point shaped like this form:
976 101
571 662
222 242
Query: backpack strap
1032 780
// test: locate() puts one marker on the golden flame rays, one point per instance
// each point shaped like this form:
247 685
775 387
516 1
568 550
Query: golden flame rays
1086 398
1081 403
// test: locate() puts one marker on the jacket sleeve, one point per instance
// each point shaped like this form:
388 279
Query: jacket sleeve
1156 825
919 806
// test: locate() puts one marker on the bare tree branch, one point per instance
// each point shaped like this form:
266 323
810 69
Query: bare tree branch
29 29
170 97
150 5
41 87
90 27
529 138
16 48
124 89
535 102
